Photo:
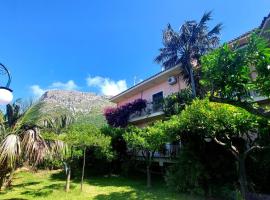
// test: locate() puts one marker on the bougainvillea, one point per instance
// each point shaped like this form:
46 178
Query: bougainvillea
118 117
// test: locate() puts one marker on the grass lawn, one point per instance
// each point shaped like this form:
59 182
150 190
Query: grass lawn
50 185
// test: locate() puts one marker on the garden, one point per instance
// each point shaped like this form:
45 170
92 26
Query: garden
225 134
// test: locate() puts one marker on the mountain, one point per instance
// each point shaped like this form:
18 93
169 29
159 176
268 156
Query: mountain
84 106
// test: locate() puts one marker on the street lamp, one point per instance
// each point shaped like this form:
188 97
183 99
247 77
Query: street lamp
6 95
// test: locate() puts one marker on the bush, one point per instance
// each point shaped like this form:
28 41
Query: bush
119 147
187 175
50 163
173 104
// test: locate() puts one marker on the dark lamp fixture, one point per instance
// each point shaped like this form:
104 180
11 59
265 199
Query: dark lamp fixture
6 95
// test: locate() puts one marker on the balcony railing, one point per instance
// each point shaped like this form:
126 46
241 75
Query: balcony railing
256 96
169 151
151 108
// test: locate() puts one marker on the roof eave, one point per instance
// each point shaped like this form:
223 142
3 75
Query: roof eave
114 98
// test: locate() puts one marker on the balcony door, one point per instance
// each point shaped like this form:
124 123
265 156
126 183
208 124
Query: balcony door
157 101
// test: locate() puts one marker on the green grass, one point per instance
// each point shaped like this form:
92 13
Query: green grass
50 185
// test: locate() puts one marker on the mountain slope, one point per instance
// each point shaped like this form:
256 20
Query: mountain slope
85 107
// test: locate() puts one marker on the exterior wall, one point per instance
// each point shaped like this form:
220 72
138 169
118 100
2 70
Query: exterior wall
164 87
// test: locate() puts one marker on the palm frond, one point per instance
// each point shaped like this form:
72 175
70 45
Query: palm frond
10 150
58 123
207 16
30 118
186 46
216 30
35 147
58 148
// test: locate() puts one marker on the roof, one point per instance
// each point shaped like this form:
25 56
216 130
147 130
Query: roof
242 36
159 76
247 34
263 21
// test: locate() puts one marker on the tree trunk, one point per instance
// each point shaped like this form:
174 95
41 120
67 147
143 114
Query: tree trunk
148 176
193 86
68 173
9 181
148 171
83 168
242 176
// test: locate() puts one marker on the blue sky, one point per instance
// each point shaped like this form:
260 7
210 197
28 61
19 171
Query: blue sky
101 45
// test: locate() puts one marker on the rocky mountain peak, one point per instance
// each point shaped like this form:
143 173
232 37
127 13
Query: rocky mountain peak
74 101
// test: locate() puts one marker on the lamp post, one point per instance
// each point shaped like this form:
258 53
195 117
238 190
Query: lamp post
6 95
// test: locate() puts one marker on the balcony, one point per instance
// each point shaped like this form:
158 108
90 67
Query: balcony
153 109
167 154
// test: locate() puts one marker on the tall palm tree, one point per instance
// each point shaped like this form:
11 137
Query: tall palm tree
185 47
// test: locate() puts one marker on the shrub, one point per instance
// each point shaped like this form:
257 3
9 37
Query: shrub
173 104
186 176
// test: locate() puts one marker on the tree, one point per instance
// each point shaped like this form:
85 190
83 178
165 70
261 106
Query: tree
73 141
146 141
228 126
231 75
119 147
184 48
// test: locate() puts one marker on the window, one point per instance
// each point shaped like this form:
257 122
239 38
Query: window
157 101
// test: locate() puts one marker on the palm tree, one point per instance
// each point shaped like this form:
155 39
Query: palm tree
184 48
20 134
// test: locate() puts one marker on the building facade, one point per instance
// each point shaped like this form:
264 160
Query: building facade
170 81
153 90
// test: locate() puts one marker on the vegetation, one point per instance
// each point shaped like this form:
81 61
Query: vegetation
146 141
230 75
118 117
230 127
188 174
173 104
20 140
49 185
119 147
79 137
184 48
224 134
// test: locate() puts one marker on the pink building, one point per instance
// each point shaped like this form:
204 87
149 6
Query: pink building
170 81
153 89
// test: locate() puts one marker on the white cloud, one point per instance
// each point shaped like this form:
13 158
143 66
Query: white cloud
38 91
70 85
107 86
